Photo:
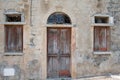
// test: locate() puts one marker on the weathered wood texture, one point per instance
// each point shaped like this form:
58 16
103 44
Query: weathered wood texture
101 38
13 38
59 49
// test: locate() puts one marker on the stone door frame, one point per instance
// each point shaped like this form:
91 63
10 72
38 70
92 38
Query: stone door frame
73 46
73 41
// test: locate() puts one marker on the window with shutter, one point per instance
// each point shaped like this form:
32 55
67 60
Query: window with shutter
101 38
13 38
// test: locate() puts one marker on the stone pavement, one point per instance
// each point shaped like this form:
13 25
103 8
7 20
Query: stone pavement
99 78
111 77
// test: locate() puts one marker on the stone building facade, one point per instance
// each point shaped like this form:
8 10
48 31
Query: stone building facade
94 38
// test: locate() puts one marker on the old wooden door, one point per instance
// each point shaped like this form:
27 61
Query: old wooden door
59 49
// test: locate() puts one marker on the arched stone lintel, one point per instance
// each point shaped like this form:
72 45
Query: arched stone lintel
71 16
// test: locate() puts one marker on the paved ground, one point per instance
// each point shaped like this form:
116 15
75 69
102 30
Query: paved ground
111 77
88 79
99 78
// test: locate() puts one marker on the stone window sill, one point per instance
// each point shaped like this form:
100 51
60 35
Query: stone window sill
102 24
13 54
13 23
108 52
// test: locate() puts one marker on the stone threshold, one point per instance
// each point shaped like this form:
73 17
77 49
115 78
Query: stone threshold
60 79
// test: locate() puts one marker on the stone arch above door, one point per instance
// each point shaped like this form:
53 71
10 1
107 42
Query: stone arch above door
66 12
59 18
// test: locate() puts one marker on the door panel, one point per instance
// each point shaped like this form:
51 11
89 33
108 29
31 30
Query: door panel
59 41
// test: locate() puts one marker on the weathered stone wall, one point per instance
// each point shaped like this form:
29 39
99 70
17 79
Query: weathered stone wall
32 65
101 64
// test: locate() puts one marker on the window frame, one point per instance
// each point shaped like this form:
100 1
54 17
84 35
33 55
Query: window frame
13 12
10 15
109 22
108 39
11 52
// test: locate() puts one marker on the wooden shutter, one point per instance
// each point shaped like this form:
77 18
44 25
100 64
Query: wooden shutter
101 38
13 38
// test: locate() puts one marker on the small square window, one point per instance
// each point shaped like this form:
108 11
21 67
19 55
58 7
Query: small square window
99 19
102 20
13 17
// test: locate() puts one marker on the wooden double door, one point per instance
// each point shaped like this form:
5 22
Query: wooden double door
58 52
